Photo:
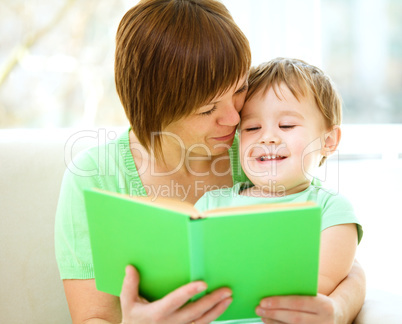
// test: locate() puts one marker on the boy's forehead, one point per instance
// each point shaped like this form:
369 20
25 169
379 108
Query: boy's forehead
287 104
248 112
279 113
244 117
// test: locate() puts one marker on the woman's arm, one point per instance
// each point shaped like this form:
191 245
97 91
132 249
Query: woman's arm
340 307
90 306
350 294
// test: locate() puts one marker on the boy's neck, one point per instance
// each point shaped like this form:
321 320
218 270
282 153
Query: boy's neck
274 191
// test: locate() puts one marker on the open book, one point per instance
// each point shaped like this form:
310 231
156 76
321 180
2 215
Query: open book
257 251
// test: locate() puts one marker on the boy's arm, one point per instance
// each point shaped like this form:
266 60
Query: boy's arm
337 252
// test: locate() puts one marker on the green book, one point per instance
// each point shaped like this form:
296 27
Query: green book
257 251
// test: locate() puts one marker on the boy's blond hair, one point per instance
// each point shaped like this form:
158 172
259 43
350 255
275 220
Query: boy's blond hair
172 57
301 78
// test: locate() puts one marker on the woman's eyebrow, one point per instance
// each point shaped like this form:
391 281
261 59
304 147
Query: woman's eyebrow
244 85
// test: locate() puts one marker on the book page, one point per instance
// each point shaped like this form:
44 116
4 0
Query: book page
179 206
238 210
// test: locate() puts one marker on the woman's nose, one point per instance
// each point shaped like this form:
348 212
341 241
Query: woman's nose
230 116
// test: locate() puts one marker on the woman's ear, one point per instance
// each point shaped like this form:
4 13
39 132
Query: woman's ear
331 141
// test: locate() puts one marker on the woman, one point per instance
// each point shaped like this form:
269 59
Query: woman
181 73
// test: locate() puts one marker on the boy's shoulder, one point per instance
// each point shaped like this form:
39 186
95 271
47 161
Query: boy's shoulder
217 198
329 197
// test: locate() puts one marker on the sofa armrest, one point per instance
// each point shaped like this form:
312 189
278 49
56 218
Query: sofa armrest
380 307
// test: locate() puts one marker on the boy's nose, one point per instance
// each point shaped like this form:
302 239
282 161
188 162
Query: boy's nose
270 139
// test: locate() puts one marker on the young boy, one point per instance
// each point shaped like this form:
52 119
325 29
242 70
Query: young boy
290 124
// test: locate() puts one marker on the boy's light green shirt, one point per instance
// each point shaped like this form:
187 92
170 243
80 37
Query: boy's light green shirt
336 209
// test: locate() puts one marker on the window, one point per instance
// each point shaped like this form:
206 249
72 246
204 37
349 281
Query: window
57 57
358 43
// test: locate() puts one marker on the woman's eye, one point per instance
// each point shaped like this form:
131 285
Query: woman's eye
242 89
208 112
287 126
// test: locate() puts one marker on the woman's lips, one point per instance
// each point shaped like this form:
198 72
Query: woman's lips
226 137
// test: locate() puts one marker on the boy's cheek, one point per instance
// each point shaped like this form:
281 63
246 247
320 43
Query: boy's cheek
311 149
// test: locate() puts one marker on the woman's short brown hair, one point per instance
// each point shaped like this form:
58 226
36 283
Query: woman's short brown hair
172 57
301 78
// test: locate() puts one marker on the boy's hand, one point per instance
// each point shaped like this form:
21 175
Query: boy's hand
171 309
298 309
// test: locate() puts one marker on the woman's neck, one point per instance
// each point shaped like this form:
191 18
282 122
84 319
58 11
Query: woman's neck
176 160
186 178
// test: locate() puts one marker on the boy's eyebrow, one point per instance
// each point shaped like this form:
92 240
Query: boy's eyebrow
291 113
281 113
245 117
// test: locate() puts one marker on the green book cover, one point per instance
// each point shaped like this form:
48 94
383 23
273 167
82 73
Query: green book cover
257 251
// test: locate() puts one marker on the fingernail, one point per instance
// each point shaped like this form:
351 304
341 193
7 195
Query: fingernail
226 294
201 287
228 302
260 311
127 271
266 303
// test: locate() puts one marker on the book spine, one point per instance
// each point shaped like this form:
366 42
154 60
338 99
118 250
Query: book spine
196 253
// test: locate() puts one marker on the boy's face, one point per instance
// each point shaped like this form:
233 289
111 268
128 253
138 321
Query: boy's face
281 140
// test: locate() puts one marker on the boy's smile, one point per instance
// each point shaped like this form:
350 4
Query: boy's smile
281 139
270 157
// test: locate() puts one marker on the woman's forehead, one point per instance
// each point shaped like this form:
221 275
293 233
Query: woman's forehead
236 86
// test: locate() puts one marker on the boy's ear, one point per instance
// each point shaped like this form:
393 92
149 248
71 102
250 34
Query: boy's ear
331 141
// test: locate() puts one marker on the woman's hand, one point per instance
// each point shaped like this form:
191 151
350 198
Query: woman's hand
171 309
320 309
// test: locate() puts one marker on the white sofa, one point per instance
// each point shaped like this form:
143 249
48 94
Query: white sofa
32 163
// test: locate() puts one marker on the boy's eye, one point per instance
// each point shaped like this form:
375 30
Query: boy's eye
208 112
250 129
287 126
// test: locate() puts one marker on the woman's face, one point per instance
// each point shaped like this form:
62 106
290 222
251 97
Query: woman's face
210 130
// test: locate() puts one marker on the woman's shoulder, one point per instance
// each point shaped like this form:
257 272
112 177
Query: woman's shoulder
95 157
95 165
84 161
